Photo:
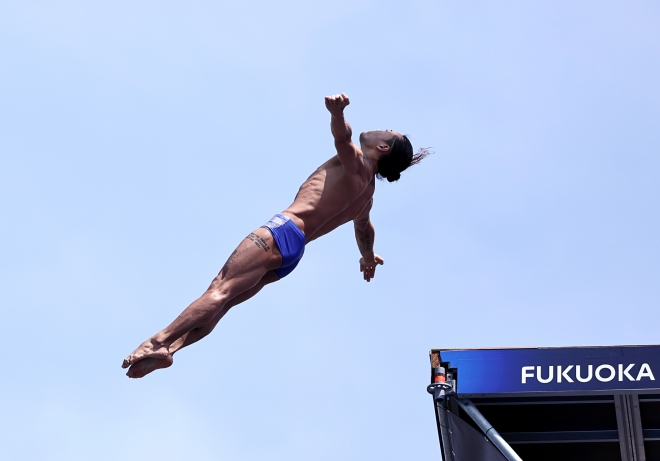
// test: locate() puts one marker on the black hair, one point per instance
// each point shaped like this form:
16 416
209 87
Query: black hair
399 158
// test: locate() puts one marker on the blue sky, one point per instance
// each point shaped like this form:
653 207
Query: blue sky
140 142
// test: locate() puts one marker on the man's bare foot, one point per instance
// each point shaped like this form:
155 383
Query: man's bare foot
149 348
146 366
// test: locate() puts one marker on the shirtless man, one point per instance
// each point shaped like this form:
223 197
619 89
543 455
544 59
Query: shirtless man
339 191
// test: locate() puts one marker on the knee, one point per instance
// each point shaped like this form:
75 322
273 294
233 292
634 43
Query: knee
217 296
218 284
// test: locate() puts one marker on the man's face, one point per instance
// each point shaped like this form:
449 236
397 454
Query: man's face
371 139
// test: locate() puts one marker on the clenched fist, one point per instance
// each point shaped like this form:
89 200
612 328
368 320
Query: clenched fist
336 103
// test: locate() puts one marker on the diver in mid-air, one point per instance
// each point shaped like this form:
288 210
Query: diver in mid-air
339 191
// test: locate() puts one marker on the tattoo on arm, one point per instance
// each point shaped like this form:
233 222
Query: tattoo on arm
258 241
366 243
362 223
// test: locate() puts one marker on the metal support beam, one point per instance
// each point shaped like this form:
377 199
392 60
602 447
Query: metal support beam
488 429
629 423
443 427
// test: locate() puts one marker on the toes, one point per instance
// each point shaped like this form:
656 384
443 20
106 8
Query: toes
131 372
130 360
134 371
147 365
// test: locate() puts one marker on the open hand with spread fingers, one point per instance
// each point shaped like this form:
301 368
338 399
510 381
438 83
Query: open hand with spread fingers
368 268
336 103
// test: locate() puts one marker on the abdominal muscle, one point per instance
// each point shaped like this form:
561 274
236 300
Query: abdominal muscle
330 197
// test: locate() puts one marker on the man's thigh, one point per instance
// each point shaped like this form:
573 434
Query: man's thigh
254 257
269 277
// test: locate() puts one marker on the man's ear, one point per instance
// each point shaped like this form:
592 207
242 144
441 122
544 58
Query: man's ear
383 147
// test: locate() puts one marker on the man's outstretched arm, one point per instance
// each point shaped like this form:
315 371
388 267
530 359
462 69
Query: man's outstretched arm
341 130
365 235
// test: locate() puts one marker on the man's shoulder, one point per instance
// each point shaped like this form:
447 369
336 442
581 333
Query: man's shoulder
363 173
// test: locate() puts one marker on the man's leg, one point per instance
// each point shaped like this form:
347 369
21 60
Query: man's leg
256 255
146 366
198 333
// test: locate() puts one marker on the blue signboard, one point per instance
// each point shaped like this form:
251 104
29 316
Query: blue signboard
570 369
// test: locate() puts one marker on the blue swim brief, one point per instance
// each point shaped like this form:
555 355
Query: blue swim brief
289 239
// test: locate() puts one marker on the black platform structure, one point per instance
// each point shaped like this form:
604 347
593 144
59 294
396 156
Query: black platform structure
538 404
